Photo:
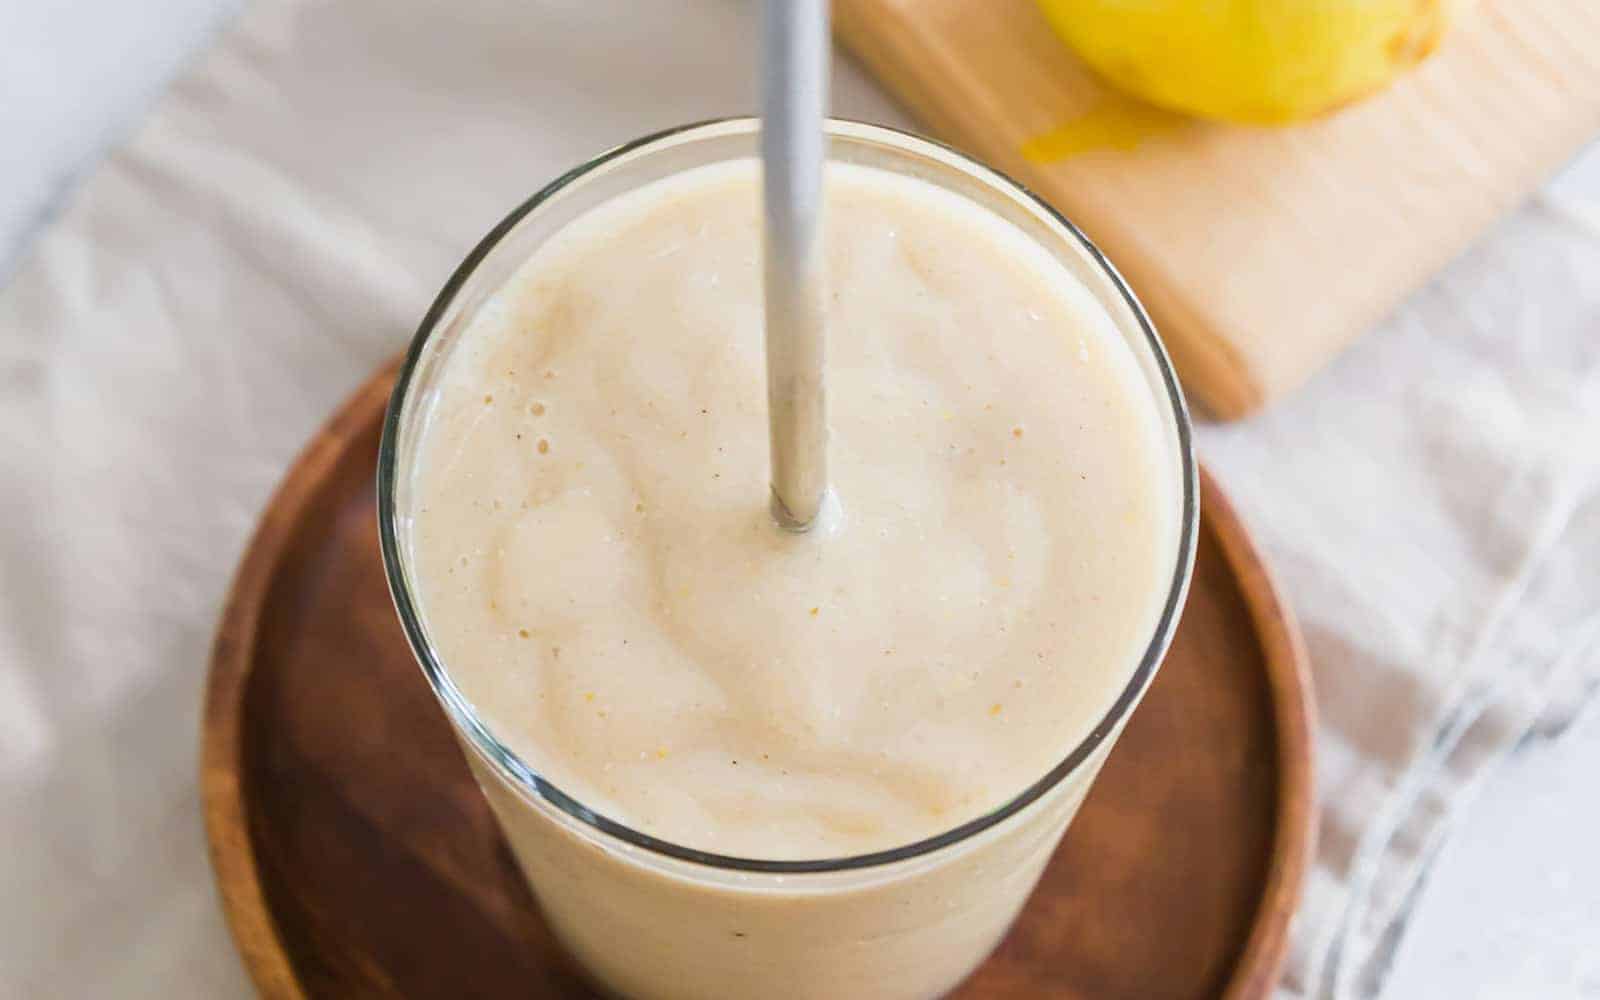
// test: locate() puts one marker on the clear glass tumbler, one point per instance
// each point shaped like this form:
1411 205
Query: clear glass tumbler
650 918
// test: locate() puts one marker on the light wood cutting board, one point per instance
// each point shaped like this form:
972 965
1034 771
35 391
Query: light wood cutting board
1259 252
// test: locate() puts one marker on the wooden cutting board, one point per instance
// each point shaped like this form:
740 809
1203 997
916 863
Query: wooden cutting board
1259 252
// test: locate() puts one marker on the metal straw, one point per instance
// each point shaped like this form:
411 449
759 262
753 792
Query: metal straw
794 94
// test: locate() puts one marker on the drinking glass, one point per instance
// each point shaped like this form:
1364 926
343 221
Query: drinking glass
650 918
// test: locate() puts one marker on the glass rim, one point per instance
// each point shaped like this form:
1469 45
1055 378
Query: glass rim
529 781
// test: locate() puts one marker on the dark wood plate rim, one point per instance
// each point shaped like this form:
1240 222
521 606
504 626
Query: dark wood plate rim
226 804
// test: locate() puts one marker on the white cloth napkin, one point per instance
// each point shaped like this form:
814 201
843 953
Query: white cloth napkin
1432 504
278 225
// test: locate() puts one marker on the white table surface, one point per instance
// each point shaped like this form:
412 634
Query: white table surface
1512 908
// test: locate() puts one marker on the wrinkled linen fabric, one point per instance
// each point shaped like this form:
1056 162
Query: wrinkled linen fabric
275 228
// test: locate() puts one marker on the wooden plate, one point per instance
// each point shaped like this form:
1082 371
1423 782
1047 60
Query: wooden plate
356 857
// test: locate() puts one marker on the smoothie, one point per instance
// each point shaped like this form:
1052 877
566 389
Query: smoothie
596 566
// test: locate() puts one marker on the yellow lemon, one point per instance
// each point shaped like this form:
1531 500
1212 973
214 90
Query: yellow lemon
1251 60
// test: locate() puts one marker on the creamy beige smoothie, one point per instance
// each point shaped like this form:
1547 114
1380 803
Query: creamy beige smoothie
596 567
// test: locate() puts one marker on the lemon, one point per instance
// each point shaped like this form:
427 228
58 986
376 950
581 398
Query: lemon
1251 60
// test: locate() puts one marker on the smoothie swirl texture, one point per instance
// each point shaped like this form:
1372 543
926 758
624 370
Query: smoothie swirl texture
598 570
